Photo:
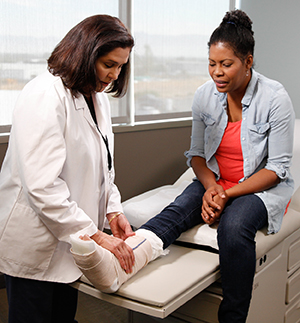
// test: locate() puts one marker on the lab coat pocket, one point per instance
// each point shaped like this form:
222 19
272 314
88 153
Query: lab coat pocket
26 240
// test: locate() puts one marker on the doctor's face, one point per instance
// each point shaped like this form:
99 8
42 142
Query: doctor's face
108 67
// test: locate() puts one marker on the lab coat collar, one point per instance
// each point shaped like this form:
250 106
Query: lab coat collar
80 102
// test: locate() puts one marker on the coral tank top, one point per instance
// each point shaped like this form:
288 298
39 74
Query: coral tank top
230 157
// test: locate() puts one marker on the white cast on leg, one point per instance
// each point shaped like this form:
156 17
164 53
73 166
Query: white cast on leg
102 268
156 242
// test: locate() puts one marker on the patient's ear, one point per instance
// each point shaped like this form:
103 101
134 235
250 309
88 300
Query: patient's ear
249 62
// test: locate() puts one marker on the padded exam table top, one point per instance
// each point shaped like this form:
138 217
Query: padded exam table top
164 284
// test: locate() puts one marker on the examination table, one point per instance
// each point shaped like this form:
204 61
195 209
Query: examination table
184 285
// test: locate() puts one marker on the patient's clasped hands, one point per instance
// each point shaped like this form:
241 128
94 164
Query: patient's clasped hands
213 203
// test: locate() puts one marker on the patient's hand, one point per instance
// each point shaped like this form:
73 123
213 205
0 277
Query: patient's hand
214 214
221 201
213 203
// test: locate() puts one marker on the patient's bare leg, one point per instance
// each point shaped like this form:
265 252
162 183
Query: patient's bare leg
102 268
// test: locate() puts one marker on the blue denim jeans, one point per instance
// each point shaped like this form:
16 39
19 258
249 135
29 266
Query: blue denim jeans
239 222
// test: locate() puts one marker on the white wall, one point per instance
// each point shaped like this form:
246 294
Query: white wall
276 26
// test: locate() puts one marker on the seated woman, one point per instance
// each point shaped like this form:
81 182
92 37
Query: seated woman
241 150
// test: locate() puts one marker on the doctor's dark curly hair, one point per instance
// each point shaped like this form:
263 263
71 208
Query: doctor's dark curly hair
74 58
236 31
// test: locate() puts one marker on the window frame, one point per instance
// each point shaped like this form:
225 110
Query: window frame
126 10
127 104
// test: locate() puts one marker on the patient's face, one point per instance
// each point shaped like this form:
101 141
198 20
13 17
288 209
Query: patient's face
226 69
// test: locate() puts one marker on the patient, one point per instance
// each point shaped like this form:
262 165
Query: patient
241 150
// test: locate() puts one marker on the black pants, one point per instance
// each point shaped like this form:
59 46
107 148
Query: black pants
33 301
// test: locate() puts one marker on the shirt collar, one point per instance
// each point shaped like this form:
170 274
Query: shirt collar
246 101
222 96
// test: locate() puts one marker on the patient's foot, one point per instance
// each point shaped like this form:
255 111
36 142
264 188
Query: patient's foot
156 242
102 268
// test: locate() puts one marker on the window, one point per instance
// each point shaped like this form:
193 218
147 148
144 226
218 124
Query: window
29 31
169 58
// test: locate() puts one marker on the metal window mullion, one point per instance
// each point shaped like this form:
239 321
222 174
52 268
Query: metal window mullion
127 103
232 4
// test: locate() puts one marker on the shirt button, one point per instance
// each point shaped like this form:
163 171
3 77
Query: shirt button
243 138
244 118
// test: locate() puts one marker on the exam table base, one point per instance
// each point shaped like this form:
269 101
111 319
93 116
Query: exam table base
275 298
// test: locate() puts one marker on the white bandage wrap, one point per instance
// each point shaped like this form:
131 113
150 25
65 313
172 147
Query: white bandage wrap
80 246
103 269
155 241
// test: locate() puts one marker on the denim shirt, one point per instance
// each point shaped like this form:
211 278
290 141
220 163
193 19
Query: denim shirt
267 131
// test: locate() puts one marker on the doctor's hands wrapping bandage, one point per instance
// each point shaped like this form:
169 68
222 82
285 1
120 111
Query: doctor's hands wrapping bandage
102 268
119 225
118 247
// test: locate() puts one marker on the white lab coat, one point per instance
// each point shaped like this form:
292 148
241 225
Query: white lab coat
54 180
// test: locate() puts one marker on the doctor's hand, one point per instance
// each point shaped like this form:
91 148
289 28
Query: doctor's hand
118 247
119 225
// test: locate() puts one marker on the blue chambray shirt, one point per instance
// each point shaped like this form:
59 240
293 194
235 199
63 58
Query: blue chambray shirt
267 132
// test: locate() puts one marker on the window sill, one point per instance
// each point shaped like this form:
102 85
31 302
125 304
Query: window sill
154 125
140 126
4 137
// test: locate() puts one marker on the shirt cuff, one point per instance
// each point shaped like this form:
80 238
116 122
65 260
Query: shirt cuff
281 171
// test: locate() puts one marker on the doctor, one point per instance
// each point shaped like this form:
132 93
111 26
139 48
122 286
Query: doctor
57 178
